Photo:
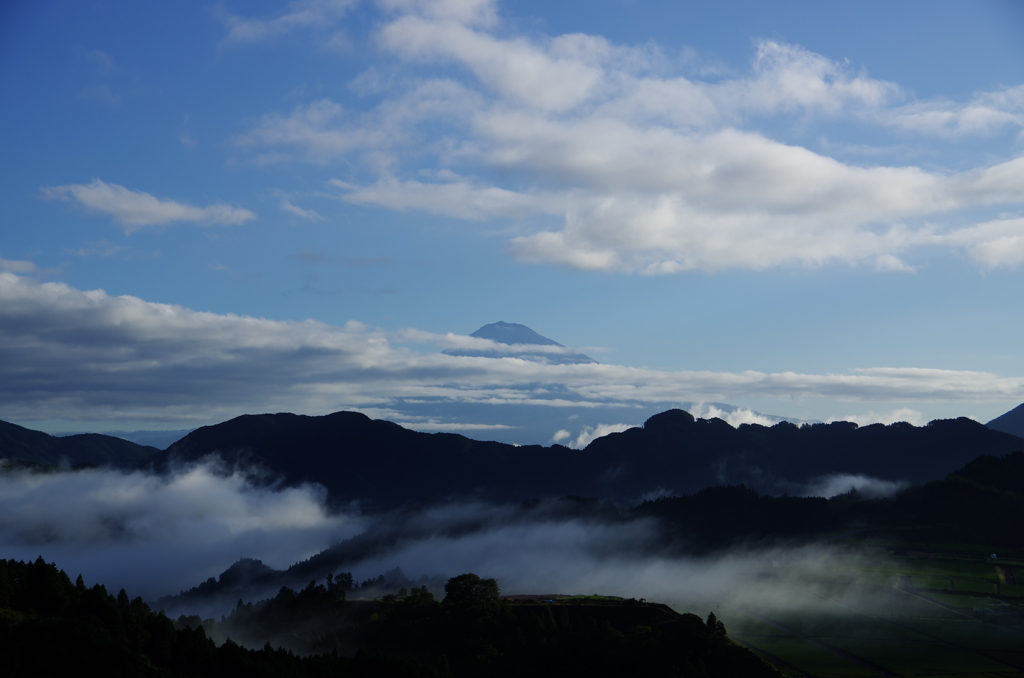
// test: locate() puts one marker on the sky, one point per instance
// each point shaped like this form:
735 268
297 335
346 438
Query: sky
811 210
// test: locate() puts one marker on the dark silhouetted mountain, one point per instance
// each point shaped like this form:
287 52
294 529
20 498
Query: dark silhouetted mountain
1011 422
384 465
514 334
36 447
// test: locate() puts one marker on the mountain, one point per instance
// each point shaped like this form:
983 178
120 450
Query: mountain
1011 422
23 444
384 465
512 334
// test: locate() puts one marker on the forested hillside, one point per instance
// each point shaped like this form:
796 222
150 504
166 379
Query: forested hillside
49 626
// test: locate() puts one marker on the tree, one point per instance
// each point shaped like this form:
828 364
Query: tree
715 626
469 589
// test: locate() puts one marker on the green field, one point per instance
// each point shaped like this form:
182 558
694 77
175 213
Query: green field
912 616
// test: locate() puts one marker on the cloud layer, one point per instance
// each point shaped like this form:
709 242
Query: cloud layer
92 356
636 164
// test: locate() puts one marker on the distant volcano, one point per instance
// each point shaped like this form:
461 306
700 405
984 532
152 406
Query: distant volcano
1011 422
513 334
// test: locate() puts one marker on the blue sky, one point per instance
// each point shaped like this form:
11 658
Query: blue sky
807 209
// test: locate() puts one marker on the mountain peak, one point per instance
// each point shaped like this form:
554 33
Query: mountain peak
511 334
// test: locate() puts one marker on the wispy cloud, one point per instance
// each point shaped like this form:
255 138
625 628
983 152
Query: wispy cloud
102 248
291 208
985 114
136 210
318 15
104 60
90 355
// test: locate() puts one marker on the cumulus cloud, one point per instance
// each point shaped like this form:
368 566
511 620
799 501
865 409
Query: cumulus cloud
647 168
157 534
734 417
591 433
902 414
136 210
89 355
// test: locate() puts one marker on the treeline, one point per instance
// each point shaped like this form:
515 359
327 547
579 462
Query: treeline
51 626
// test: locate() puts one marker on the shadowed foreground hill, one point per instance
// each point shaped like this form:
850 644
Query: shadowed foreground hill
35 447
49 626
384 464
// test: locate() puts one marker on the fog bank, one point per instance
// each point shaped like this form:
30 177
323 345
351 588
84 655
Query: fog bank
153 534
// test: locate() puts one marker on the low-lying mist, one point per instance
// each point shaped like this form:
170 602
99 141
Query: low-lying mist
632 558
156 535
153 534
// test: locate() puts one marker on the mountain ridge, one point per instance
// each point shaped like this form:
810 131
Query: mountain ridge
386 465
35 447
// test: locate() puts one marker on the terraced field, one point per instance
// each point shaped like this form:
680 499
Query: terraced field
915 616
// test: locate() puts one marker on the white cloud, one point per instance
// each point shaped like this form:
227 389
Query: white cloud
740 415
457 197
560 435
466 12
888 262
136 210
651 171
591 433
91 356
17 266
993 244
788 78
902 414
985 114
302 14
